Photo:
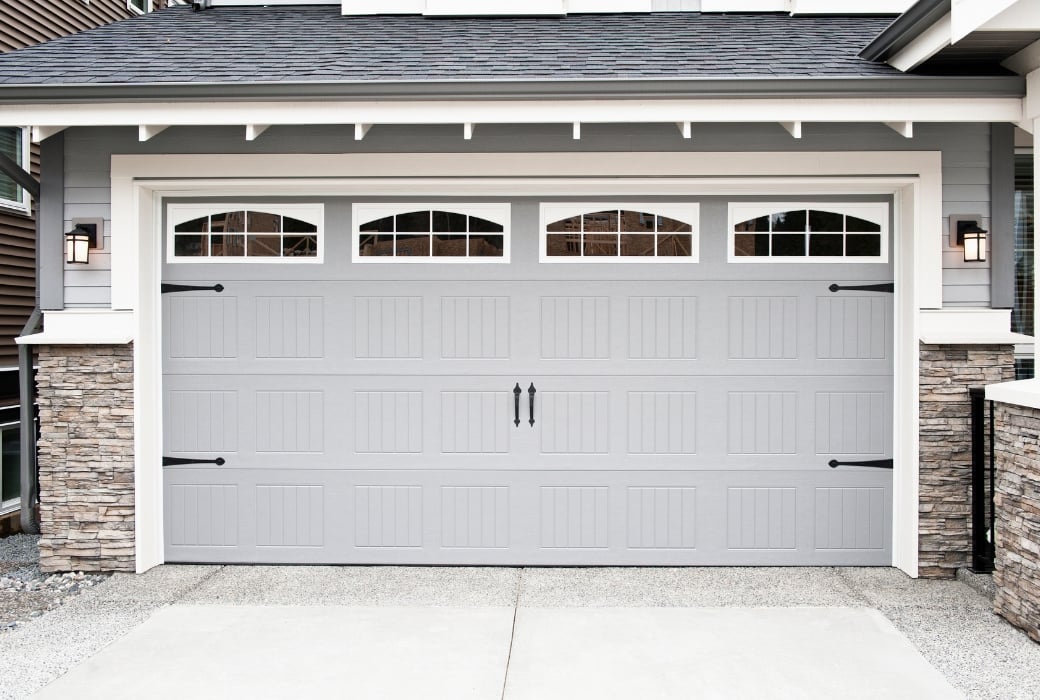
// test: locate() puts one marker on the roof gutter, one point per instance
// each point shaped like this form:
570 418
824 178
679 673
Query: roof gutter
907 27
885 86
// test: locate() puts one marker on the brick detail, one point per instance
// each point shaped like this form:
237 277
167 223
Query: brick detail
947 372
86 457
1017 507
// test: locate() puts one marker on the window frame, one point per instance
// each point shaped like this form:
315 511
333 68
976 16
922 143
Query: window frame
312 213
876 212
139 10
21 205
495 212
13 504
686 212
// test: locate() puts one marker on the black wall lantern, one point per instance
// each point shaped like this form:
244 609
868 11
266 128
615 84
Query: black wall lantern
969 236
78 243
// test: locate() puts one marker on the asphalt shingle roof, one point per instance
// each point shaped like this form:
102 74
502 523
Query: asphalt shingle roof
318 44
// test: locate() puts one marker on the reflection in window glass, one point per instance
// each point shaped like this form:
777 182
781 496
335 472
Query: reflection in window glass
264 246
830 235
619 233
601 244
487 246
229 236
637 245
826 244
200 225
410 245
826 221
227 246
675 245
12 142
189 246
431 233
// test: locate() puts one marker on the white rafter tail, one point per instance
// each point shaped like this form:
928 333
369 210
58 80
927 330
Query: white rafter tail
685 128
253 131
904 129
467 131
576 134
361 131
793 128
39 133
146 132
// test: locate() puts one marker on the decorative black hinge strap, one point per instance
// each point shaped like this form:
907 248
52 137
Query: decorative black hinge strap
175 461
168 288
875 463
530 395
882 287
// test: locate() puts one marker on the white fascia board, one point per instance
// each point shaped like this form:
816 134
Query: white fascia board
620 111
849 7
931 41
602 6
1025 392
745 5
970 15
1031 102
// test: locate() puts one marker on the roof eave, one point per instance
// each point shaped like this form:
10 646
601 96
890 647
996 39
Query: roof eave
852 86
907 27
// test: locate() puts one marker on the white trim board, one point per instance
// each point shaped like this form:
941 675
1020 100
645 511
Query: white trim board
139 184
564 112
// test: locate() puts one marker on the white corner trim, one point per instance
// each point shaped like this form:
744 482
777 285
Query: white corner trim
83 327
969 327
931 41
1025 392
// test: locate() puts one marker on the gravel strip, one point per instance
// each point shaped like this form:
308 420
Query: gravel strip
25 591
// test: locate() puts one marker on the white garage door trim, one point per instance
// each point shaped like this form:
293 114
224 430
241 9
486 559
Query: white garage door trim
140 182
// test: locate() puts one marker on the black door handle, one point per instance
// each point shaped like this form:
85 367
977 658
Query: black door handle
165 288
530 396
174 461
516 404
876 463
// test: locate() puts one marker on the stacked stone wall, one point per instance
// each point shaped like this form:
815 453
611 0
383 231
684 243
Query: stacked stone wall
86 457
947 372
1017 509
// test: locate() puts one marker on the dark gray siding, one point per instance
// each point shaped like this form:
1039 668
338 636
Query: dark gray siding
966 166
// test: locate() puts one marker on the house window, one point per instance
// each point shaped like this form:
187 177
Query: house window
245 233
598 232
761 232
139 7
431 233
14 143
10 467
1022 312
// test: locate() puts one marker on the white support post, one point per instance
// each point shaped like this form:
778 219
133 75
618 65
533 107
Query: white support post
39 133
146 132
361 130
793 128
467 131
685 128
577 131
904 129
253 131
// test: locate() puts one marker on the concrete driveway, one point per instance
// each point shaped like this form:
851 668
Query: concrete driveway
520 634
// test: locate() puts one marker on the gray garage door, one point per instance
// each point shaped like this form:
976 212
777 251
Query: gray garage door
558 408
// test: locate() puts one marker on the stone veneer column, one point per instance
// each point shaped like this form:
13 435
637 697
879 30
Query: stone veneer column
86 457
1017 509
947 372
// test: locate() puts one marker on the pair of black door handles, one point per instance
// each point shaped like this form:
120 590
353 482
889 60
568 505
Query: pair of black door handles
516 403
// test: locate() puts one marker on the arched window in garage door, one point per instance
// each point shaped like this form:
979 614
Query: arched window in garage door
432 233
601 232
245 233
797 232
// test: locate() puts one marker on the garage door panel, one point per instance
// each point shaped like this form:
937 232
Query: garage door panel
682 413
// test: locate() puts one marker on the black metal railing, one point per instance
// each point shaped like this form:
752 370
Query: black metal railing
983 481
